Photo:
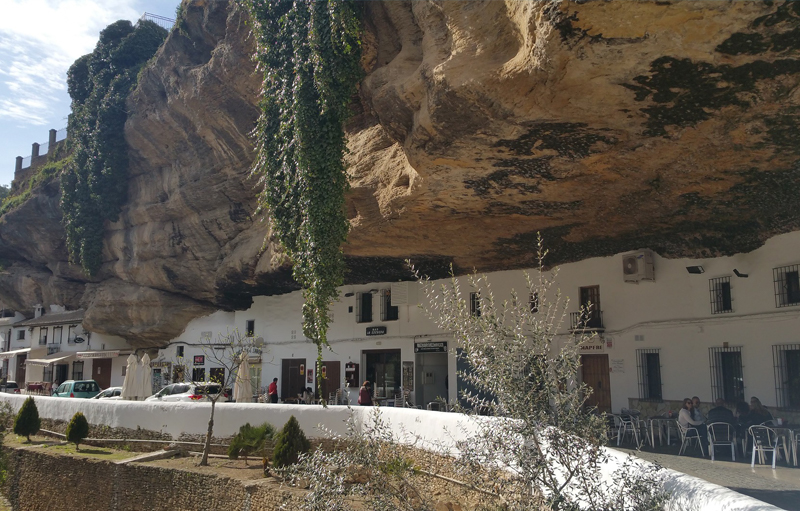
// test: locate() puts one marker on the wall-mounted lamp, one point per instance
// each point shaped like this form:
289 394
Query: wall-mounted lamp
348 295
695 269
373 291
740 274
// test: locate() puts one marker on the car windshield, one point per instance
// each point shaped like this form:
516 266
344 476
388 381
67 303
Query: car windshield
11 385
202 390
180 389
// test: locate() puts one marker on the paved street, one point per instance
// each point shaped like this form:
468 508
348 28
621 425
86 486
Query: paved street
779 487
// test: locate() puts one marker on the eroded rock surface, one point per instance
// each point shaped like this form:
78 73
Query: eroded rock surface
606 126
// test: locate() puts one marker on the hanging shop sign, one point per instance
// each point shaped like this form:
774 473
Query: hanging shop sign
430 347
376 330
199 360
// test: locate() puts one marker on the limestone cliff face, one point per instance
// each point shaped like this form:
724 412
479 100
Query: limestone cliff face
606 126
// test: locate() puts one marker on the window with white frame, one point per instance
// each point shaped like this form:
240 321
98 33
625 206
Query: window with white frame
475 304
648 362
364 307
721 298
388 311
57 334
43 335
787 285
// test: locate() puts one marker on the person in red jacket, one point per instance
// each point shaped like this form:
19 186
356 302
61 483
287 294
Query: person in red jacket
272 391
365 395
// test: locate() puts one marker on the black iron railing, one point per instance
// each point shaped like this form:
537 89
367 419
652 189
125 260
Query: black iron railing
586 320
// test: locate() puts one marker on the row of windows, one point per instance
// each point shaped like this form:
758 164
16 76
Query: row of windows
786 281
388 311
727 380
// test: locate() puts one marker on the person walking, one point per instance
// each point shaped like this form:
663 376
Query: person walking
272 391
365 395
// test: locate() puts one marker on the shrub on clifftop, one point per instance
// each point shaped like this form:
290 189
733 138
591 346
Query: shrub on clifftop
77 429
250 440
27 422
290 442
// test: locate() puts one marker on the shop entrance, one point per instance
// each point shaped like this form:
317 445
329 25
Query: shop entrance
294 377
61 373
101 372
383 371
431 379
595 375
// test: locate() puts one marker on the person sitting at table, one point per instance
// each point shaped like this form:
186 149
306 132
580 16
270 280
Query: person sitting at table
758 414
696 413
308 396
720 413
687 420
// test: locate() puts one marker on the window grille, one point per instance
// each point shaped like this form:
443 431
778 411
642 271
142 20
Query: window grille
199 374
58 333
364 308
720 291
77 370
787 285
727 381
475 304
648 363
71 334
786 358
47 373
388 312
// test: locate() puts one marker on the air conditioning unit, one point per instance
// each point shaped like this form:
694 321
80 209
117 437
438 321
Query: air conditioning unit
404 293
638 266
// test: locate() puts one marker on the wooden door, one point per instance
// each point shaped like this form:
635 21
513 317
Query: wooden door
332 381
595 375
294 380
21 370
101 372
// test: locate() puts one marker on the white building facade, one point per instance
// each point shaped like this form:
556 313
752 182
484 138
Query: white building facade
667 329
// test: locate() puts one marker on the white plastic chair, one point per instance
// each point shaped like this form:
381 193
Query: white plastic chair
612 427
764 440
720 434
689 435
628 424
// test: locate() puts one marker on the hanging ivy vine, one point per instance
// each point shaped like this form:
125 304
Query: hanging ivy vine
309 53
94 182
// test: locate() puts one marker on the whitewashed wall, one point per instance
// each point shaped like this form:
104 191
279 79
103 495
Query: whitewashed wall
425 429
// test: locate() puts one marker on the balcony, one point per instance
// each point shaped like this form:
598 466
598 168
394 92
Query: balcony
591 321
53 348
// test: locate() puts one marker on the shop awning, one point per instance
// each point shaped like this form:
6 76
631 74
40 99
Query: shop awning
8 354
98 354
51 359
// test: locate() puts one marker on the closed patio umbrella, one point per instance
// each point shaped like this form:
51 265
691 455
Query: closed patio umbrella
146 373
130 385
243 389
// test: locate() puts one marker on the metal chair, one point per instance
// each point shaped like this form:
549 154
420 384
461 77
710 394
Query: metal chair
719 434
764 439
628 424
612 427
689 435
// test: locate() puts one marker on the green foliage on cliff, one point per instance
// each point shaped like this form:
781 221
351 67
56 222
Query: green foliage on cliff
94 183
77 429
27 422
43 176
4 191
309 53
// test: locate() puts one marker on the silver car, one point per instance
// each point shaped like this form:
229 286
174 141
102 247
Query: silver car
187 392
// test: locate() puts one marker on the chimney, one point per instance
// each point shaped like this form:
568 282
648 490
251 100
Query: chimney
38 311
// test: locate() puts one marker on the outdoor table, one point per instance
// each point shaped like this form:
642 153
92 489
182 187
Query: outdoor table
35 387
660 423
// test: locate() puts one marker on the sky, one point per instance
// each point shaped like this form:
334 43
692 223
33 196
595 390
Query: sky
39 41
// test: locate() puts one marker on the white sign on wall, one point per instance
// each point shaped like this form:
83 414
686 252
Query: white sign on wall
617 365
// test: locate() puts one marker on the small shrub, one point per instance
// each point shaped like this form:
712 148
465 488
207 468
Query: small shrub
77 429
27 422
250 440
290 443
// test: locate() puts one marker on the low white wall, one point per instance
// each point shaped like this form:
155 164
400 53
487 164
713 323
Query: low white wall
423 427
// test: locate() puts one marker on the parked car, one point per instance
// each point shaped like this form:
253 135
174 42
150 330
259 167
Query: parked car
10 388
77 388
191 392
109 393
